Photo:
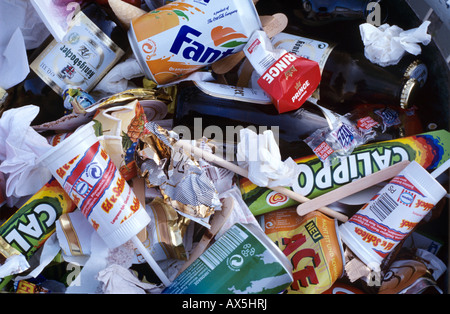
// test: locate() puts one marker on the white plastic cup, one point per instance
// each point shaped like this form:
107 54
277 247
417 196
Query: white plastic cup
376 229
90 178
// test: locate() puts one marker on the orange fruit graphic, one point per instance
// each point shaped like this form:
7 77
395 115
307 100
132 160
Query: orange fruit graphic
162 19
221 35
154 23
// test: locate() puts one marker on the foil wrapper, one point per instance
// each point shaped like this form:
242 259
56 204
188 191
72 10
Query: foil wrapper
180 178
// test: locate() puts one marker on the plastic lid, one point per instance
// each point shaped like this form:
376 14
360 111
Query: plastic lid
426 181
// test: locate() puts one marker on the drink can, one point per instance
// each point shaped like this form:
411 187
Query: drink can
184 36
242 261
380 225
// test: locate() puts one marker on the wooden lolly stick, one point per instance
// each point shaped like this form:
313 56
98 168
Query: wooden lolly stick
244 173
351 188
217 221
272 25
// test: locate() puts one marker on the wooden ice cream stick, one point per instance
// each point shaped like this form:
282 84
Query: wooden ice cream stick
217 221
125 12
351 188
272 25
200 153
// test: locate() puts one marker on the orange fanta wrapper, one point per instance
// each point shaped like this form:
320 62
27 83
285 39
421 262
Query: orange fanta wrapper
312 245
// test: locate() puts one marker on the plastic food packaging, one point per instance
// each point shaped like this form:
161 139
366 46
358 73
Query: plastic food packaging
33 223
286 77
90 178
243 260
428 149
313 246
379 226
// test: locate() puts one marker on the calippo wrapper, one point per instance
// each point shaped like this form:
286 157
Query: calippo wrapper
178 175
428 149
312 245
34 222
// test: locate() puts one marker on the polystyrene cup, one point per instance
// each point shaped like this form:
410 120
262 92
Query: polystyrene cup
90 178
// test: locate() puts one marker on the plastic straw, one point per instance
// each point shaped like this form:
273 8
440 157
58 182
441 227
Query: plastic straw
159 272
441 169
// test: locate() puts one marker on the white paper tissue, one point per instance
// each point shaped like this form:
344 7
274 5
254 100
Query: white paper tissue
385 45
20 149
260 155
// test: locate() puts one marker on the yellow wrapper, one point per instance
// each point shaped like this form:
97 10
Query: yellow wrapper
312 245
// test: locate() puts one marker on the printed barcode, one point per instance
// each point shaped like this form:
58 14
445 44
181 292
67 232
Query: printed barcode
267 62
383 206
223 247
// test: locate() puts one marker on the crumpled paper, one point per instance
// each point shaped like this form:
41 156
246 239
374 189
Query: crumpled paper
118 79
117 279
260 155
14 265
385 45
20 149
181 180
21 29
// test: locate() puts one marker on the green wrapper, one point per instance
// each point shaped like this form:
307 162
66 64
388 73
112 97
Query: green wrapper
429 149
33 223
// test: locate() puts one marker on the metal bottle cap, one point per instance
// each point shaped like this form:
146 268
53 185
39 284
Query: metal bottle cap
408 90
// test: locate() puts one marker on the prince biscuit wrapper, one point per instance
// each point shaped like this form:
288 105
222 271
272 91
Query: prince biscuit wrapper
430 150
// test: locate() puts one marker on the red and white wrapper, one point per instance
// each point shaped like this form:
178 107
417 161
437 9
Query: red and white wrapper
90 178
289 79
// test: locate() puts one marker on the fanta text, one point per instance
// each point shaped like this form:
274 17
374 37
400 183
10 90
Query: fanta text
194 50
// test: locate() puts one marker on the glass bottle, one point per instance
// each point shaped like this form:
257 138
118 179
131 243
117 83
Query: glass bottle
314 13
218 112
349 78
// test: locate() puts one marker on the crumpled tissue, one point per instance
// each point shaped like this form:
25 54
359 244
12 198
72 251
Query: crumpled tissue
385 45
260 155
21 29
20 149
117 279
118 79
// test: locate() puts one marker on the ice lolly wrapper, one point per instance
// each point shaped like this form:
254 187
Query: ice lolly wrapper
430 150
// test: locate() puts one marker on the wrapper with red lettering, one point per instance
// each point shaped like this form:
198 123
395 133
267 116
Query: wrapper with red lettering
313 246
87 174
290 81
